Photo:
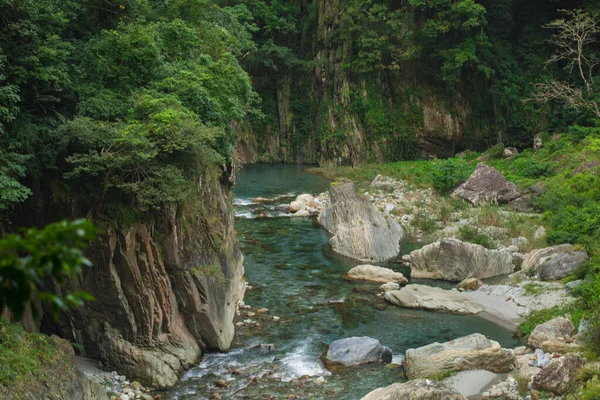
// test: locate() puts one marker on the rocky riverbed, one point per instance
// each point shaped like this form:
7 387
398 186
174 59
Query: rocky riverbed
305 294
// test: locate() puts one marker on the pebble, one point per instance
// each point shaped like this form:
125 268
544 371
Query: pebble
246 307
124 397
247 321
220 383
319 380
239 324
262 310
276 318
250 314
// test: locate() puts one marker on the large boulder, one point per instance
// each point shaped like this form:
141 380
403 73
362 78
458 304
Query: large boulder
433 298
558 376
555 262
356 351
359 230
301 202
419 389
385 184
453 260
486 185
544 334
376 274
469 352
470 284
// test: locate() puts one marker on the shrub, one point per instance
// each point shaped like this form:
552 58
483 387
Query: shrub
447 174
424 222
470 234
529 167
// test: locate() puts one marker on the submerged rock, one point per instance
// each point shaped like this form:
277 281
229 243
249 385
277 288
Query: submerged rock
389 286
453 260
559 375
419 389
433 298
356 351
376 274
469 352
486 185
359 230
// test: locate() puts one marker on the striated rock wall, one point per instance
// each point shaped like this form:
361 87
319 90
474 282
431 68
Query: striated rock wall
166 289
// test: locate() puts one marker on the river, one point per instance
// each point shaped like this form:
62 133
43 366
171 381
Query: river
295 276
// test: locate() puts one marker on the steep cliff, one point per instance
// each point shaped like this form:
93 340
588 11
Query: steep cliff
166 289
333 112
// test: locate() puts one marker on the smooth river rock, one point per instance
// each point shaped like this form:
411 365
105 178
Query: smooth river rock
433 298
356 351
453 260
469 352
419 389
376 274
359 230
486 185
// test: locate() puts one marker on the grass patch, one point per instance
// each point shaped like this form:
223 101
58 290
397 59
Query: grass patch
441 375
534 289
25 357
471 234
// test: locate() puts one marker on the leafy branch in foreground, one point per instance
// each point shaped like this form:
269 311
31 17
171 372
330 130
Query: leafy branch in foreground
53 252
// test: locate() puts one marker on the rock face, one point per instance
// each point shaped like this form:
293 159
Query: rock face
556 262
356 351
60 381
469 352
166 289
419 389
557 328
558 376
522 204
359 230
453 260
486 185
433 298
376 274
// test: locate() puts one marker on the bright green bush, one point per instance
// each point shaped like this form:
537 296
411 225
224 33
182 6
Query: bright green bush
447 174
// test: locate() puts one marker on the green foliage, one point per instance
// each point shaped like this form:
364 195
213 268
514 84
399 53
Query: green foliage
213 271
25 357
449 173
535 318
28 259
471 234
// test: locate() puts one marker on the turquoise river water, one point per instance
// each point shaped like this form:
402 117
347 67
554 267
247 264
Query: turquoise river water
295 276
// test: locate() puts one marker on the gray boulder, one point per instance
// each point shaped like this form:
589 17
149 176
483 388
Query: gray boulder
486 185
561 265
559 375
554 263
376 274
469 352
557 328
522 204
433 298
356 351
453 260
419 389
359 230
384 184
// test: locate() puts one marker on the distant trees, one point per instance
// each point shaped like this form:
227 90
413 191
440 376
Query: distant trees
574 39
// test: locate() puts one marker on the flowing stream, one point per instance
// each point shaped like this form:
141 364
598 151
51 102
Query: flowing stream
297 278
